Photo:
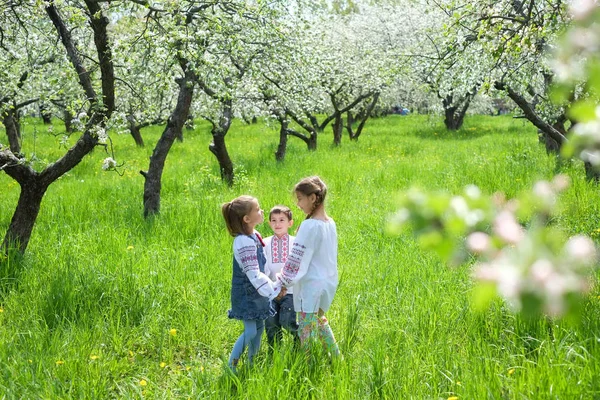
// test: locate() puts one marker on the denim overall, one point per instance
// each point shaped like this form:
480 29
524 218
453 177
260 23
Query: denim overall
246 303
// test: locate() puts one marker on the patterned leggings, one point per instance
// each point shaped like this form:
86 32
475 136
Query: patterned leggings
315 326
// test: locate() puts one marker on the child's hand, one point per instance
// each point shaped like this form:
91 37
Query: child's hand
281 293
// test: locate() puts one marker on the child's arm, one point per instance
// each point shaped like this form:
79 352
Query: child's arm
299 257
244 251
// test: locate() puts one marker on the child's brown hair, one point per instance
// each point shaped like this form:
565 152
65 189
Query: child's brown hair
312 185
279 209
234 212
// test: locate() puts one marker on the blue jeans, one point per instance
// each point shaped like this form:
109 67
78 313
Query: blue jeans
285 318
251 336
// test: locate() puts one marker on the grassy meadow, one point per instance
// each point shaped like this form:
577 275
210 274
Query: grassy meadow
106 304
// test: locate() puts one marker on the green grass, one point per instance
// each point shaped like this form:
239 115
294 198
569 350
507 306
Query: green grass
87 312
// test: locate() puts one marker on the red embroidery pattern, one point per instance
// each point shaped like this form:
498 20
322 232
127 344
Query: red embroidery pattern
248 258
280 249
292 265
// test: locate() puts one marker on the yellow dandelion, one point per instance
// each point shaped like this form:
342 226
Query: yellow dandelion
60 362
143 382
511 371
453 398
129 247
163 364
172 331
130 353
94 357
1 310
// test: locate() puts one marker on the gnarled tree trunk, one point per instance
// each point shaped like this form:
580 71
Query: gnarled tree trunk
13 130
218 147
338 129
283 137
25 215
363 116
455 110
134 130
153 182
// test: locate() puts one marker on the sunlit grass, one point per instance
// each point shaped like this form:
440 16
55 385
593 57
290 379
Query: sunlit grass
107 304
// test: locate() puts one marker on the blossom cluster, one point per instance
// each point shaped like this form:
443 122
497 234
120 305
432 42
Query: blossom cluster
577 63
519 255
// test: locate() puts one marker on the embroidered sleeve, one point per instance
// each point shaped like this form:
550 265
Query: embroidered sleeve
244 251
299 257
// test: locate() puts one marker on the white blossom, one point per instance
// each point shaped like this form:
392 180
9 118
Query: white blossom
108 163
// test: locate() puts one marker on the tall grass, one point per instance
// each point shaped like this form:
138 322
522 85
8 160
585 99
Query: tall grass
106 304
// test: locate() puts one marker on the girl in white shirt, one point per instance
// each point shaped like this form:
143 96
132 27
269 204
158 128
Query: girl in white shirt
311 267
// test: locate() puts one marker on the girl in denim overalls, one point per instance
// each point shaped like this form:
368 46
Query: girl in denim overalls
251 290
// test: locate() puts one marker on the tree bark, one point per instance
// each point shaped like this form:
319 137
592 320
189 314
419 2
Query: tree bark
283 137
454 113
134 130
366 114
338 129
13 130
68 117
45 114
312 130
531 115
28 207
218 147
153 182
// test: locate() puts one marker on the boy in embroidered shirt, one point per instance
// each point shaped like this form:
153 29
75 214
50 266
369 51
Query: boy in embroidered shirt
277 248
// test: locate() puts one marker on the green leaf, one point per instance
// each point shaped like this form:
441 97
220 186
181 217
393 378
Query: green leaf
583 111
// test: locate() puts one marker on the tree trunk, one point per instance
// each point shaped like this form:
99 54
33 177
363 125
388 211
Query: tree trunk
219 149
283 137
21 226
338 129
551 145
312 141
452 121
456 109
134 130
365 115
153 182
45 114
68 117
349 122
13 131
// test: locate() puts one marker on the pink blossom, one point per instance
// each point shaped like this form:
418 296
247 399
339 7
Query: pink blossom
544 191
581 249
582 8
561 182
478 242
542 270
507 227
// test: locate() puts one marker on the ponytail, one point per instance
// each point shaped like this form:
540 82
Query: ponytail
234 212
